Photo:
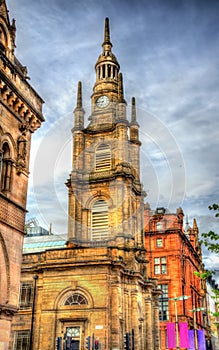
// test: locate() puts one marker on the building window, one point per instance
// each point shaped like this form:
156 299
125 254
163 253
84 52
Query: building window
100 220
159 226
159 242
73 331
22 339
160 266
163 303
103 157
26 293
5 168
76 299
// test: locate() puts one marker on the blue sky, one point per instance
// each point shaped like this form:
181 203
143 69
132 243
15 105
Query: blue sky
168 52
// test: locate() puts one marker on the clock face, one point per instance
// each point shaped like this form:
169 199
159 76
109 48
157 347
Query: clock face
102 101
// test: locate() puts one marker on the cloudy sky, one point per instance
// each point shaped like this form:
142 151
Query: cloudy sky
168 52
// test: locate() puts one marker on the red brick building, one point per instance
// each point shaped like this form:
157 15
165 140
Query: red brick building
174 254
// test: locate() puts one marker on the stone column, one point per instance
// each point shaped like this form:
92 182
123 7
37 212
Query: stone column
115 325
135 319
149 324
71 214
126 310
156 323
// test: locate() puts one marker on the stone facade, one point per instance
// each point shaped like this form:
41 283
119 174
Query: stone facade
117 298
20 116
97 286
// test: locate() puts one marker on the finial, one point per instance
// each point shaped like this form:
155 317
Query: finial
107 32
13 25
133 117
79 96
195 227
107 45
179 211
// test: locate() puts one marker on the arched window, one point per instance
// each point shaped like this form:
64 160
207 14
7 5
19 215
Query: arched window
76 299
100 221
5 168
103 157
3 39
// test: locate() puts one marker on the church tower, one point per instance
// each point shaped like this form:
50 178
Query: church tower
20 116
105 193
96 289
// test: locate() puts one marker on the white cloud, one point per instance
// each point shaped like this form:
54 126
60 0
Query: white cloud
168 56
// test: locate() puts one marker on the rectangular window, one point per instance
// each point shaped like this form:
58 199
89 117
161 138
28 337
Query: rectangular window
159 226
22 339
163 265
160 266
26 292
159 242
163 303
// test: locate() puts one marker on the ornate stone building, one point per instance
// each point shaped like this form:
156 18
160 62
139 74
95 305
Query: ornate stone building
20 116
96 286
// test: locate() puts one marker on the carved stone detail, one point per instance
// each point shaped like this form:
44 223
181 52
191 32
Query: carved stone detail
29 120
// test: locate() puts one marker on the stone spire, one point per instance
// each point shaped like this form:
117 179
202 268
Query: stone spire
195 227
107 57
107 76
79 95
79 111
133 116
107 45
193 235
134 126
133 113
120 89
187 227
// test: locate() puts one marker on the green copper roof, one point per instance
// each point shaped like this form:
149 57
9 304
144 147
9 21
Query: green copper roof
42 245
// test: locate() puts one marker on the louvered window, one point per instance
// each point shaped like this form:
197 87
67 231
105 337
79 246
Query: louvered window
103 157
100 220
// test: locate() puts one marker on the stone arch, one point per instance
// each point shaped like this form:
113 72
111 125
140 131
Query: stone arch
99 195
7 40
4 271
12 145
68 292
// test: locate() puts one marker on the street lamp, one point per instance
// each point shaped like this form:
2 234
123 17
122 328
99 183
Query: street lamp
175 299
194 320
